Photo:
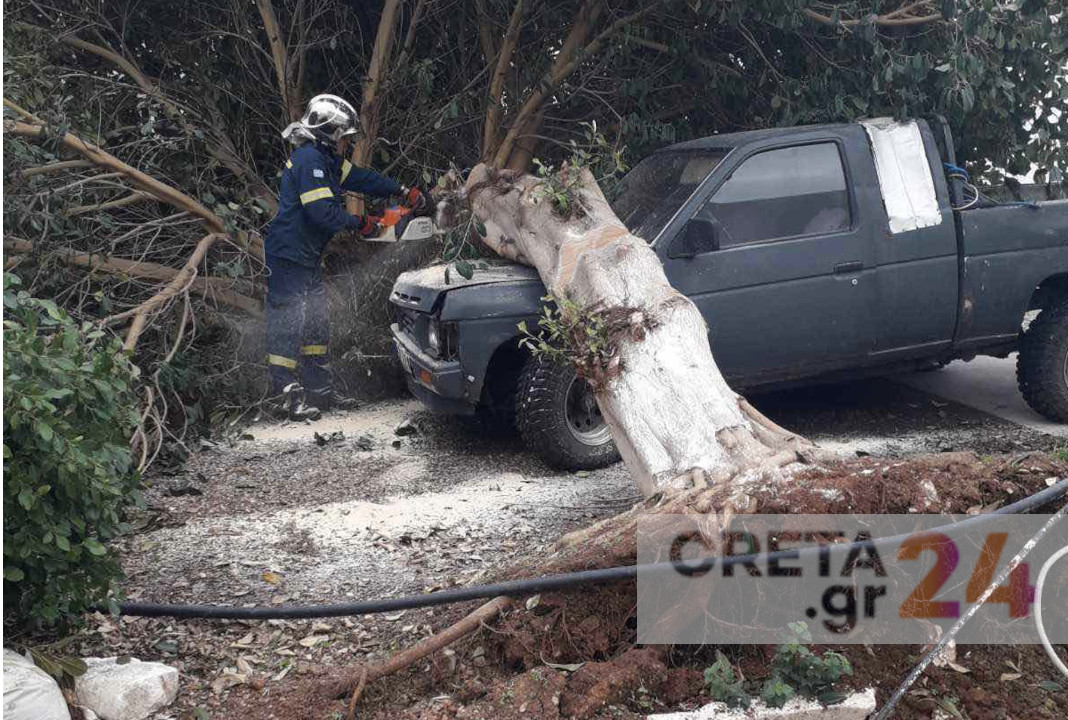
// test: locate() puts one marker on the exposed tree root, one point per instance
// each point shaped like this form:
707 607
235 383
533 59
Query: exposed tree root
486 613
867 485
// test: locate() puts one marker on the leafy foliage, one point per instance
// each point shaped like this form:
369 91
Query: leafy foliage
560 186
723 685
206 114
68 416
795 671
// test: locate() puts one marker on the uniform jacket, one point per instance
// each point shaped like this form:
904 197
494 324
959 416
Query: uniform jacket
311 202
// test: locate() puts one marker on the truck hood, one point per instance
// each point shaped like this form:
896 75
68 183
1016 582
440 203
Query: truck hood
420 289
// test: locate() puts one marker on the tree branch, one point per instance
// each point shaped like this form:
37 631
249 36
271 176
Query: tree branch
56 167
552 78
220 147
218 289
889 19
130 199
485 32
376 73
97 156
290 96
504 59
179 283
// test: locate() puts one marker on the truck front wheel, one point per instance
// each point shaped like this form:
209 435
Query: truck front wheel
1042 367
558 418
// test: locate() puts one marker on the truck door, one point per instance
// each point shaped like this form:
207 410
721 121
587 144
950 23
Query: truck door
779 265
917 279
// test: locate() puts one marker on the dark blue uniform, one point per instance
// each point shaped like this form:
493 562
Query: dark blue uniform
310 210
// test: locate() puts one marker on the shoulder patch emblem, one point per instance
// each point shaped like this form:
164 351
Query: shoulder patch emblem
317 173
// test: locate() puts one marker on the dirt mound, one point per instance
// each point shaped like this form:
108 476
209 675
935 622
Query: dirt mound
574 655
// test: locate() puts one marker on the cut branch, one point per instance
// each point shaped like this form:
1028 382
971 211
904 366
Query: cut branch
180 283
139 179
56 167
220 290
134 197
219 146
473 621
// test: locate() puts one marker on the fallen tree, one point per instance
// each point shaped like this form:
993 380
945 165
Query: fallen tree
691 443
676 422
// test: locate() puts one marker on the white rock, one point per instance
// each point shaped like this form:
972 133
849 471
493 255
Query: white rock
29 692
855 707
131 691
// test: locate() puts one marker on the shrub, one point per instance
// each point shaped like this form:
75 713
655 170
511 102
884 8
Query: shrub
69 412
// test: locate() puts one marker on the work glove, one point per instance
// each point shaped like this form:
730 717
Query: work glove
368 226
414 198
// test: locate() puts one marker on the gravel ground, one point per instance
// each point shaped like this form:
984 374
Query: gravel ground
345 509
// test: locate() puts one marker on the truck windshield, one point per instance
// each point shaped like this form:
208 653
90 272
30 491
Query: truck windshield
654 191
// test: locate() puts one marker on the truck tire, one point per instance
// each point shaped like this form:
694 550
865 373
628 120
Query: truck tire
559 420
1042 366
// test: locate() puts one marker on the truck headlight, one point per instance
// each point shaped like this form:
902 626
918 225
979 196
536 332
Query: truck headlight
434 336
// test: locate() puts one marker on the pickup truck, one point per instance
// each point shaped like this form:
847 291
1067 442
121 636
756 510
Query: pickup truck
814 253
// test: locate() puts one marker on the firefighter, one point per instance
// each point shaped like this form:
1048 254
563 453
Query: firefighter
310 211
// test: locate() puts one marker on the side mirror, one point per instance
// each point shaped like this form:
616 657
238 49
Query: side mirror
700 235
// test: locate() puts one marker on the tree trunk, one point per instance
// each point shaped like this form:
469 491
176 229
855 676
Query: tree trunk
676 422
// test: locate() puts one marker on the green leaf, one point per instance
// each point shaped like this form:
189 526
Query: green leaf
1050 686
465 269
26 498
13 574
480 227
94 547
73 666
62 543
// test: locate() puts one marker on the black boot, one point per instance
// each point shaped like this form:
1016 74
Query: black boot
330 399
291 405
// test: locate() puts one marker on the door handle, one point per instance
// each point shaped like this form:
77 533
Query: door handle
848 267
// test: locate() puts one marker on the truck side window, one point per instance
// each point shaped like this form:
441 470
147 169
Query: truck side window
782 193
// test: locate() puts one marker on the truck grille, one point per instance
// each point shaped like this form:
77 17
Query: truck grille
406 321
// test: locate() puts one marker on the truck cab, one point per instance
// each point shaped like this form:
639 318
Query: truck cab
812 252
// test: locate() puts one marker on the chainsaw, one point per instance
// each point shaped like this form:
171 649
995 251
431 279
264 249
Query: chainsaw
398 223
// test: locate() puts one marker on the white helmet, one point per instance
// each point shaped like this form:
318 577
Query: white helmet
328 117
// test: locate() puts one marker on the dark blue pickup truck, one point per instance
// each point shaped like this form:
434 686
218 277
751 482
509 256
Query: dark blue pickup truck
813 253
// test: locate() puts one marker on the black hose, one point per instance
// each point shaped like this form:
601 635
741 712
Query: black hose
530 586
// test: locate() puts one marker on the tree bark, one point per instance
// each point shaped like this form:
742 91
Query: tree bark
285 73
676 422
504 59
369 107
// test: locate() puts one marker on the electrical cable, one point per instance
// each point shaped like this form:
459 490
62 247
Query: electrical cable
531 586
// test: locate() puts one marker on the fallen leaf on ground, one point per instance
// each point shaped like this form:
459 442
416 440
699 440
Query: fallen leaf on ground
227 680
313 640
272 577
